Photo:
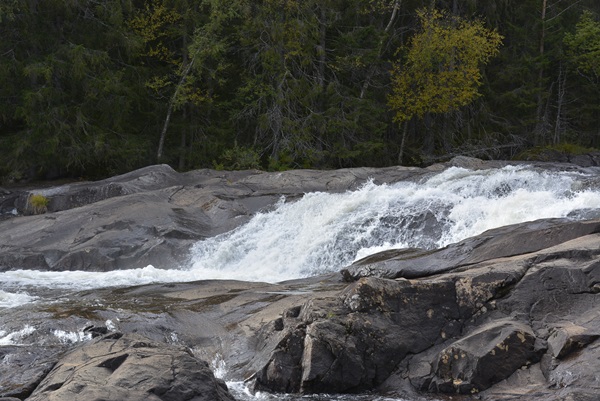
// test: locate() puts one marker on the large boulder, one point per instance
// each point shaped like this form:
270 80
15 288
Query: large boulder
124 232
506 314
130 367
496 243
480 359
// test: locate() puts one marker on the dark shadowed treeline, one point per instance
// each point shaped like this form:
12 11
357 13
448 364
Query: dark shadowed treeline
97 87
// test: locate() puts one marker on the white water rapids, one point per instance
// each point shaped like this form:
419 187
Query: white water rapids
325 232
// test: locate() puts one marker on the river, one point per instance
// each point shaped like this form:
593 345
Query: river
324 232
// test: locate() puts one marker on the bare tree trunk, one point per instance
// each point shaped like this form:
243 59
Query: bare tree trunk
371 70
182 146
402 142
541 124
276 118
559 127
428 137
322 51
163 133
446 137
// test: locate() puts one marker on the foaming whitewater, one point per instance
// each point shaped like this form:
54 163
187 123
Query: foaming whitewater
15 337
324 232
9 299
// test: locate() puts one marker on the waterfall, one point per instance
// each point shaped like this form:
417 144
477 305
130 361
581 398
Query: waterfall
324 232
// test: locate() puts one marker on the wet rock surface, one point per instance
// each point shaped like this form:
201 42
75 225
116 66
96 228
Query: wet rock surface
511 314
130 367
23 370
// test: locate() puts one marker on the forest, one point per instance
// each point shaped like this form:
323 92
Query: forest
93 88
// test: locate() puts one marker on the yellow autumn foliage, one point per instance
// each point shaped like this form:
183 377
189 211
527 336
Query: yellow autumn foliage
442 68
153 24
37 203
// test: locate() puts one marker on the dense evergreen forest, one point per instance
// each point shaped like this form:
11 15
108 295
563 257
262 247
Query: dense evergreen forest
91 88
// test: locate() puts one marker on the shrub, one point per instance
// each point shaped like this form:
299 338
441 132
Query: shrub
238 158
38 203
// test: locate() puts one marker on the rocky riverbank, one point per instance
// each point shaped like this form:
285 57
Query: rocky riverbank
510 314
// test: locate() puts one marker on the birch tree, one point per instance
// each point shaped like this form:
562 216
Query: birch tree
441 69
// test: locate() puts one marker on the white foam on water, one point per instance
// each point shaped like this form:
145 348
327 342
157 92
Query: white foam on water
80 280
324 232
12 300
15 337
71 337
241 391
218 366
110 325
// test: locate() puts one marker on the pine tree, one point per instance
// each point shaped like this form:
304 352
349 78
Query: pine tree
70 112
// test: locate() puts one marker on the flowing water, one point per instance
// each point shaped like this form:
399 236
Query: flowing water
325 232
